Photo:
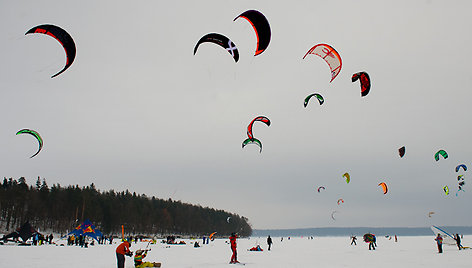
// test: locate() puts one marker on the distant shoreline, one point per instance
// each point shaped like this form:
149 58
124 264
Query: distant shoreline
348 231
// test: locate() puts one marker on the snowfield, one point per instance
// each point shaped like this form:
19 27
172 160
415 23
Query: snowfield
413 251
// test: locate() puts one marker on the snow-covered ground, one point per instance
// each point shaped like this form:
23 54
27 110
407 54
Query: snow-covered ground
417 251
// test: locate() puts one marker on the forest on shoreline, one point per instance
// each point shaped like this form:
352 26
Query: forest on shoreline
60 209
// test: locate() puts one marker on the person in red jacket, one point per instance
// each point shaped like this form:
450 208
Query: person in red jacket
121 251
232 240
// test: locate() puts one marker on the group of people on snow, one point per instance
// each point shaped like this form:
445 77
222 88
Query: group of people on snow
124 250
439 241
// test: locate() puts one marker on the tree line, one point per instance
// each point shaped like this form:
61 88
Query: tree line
60 209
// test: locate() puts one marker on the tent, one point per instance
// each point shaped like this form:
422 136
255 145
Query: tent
25 232
87 229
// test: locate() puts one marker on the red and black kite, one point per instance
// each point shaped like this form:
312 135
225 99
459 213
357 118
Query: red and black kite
365 82
62 37
261 27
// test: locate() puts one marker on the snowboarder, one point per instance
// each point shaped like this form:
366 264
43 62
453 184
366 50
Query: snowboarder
232 240
121 251
439 241
138 260
269 242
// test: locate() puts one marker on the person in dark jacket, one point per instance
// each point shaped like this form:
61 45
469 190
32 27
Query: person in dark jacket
353 240
269 242
439 241
458 241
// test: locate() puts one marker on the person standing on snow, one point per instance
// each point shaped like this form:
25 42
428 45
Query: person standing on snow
458 241
439 241
232 240
121 251
353 240
269 241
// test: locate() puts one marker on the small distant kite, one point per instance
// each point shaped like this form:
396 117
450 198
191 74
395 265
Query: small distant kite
220 40
340 201
446 190
262 119
332 215
36 135
330 55
347 176
321 187
253 141
384 187
461 181
318 96
365 82
62 37
261 27
442 153
212 236
464 167
228 219
401 151
430 214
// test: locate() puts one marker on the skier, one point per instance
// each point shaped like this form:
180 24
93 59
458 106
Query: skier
121 251
232 240
439 241
269 241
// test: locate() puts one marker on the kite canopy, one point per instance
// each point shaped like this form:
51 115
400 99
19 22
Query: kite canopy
447 238
321 187
464 167
253 141
62 37
36 135
330 55
332 215
442 153
369 238
430 214
212 236
25 232
446 190
384 187
261 27
220 40
347 176
87 229
262 119
340 201
318 96
365 82
401 151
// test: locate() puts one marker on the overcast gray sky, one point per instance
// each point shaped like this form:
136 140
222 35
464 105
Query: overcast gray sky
137 110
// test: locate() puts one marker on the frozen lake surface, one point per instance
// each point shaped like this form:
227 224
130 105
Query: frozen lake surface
409 251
